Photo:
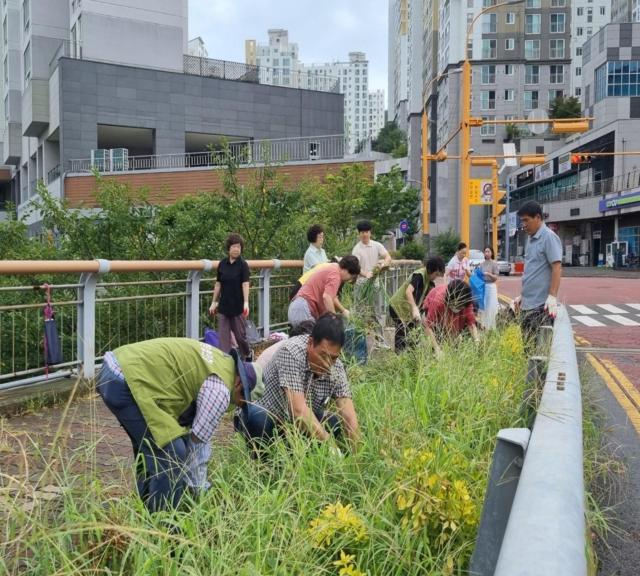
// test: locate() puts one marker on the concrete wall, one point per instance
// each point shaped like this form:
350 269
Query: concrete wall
172 104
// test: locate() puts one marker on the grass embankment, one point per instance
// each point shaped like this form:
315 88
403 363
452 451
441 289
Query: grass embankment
408 502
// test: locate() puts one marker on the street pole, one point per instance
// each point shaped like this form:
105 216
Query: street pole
426 196
465 145
494 210
507 222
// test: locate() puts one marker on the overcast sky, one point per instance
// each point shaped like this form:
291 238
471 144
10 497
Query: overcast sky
324 30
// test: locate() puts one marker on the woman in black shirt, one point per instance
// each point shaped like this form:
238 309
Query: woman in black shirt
231 296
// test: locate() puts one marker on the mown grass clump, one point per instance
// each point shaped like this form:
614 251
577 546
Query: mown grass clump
407 502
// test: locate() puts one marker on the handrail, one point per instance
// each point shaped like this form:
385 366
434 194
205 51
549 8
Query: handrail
546 529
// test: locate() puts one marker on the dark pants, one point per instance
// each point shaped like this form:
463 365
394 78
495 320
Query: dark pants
257 425
159 471
531 321
402 330
235 324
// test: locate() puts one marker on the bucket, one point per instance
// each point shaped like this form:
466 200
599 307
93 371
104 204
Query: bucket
518 267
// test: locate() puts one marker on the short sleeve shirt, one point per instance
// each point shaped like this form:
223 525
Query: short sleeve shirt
289 369
490 266
369 254
312 257
544 248
441 319
457 268
324 281
231 275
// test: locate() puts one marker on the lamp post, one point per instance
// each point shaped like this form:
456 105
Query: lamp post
426 196
465 136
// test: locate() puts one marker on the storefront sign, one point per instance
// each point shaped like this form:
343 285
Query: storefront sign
596 235
618 202
524 177
564 163
544 171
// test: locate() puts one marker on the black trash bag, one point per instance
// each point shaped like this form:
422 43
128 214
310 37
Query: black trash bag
52 348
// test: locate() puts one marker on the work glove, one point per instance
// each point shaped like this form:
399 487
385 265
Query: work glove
245 310
346 313
213 308
415 314
516 303
551 306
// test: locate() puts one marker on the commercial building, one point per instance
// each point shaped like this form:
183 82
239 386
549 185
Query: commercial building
594 205
123 95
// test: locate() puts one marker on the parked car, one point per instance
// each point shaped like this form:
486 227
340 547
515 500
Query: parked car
476 257
504 267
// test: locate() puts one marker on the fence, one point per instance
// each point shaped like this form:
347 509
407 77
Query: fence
279 150
118 302
224 69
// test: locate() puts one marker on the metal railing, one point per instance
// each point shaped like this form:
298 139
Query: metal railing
53 174
304 80
117 302
577 191
281 150
224 69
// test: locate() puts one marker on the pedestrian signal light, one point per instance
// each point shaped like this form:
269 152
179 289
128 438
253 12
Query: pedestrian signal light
498 206
581 158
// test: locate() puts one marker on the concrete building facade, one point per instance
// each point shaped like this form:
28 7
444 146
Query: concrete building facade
376 112
398 71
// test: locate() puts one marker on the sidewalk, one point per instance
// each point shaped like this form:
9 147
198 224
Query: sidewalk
599 272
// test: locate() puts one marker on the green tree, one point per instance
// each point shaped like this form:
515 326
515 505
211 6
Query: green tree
445 244
565 108
391 140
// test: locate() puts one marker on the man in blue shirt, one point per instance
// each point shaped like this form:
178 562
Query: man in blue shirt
542 271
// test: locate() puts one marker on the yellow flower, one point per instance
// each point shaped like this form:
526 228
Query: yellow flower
345 560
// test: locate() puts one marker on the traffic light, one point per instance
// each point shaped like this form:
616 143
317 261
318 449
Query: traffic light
498 207
564 127
581 158
532 159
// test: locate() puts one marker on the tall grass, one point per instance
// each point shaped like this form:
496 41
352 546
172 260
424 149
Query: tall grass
407 502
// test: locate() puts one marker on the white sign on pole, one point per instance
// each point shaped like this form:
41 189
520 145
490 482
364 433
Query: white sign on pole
509 152
564 163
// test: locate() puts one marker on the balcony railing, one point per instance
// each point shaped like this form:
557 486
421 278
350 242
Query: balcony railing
224 69
282 150
53 174
576 191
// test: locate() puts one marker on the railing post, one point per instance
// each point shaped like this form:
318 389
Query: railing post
192 301
86 321
265 298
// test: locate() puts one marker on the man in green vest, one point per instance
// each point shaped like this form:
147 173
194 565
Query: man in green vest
404 305
169 395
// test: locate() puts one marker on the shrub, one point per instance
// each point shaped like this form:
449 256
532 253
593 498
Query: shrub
412 251
445 244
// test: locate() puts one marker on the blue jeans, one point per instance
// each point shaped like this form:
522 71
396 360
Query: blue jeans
160 475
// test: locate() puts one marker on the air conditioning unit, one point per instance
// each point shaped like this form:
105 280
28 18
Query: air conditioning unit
119 159
100 159
314 151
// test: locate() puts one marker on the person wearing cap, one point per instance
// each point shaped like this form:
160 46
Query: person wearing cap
319 294
299 382
169 395
404 305
449 311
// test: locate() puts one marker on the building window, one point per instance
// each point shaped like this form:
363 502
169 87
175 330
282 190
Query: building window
589 15
579 51
509 43
620 79
589 32
554 95
4 31
26 61
510 18
556 74
556 23
508 69
578 91
532 49
489 49
533 4
556 49
531 74
580 11
488 129
532 23
578 71
558 3
530 99
25 13
508 95
603 11
489 23
488 74
488 99
579 31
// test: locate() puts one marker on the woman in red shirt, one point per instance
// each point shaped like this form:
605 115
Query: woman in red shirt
449 310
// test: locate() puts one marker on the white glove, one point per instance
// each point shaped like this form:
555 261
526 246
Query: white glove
346 313
516 303
415 313
335 451
551 306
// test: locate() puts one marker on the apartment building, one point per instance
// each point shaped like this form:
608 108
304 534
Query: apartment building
625 11
376 112
82 78
587 17
196 47
398 71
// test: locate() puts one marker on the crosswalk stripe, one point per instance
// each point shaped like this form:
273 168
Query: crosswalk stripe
624 320
612 309
583 309
636 306
587 321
